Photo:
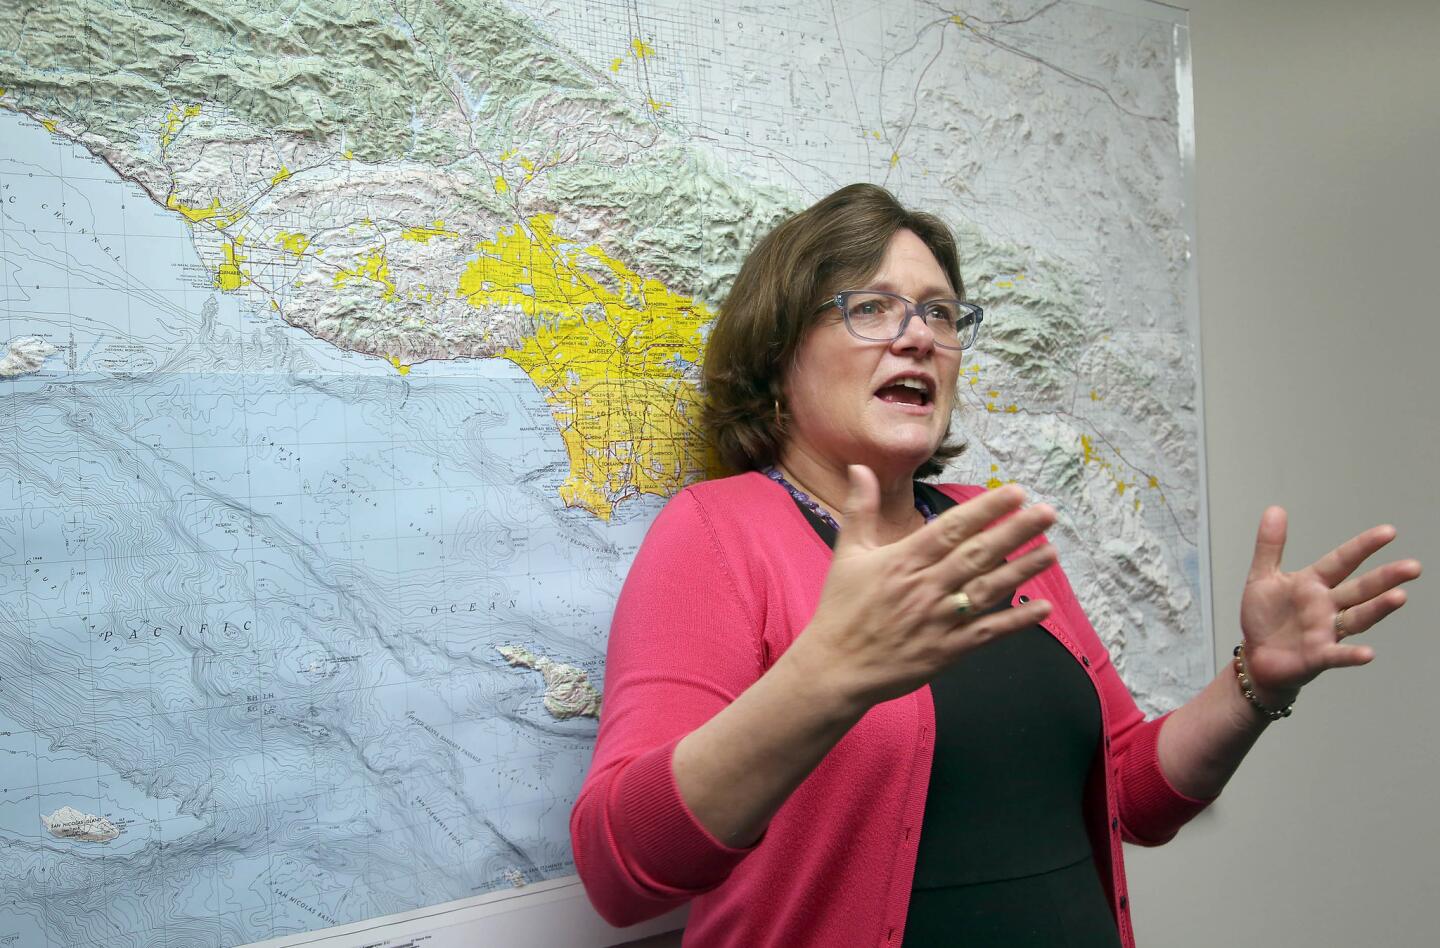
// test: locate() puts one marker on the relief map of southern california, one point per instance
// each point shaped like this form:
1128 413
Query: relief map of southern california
350 347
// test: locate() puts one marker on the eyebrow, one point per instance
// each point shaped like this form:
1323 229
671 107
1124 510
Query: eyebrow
932 292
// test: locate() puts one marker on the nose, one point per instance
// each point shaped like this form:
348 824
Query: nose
915 334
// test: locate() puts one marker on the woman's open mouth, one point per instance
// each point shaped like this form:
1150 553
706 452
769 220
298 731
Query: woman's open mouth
909 392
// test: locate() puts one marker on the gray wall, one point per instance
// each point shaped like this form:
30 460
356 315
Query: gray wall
1318 143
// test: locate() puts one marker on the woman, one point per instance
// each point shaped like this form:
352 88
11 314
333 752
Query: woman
844 707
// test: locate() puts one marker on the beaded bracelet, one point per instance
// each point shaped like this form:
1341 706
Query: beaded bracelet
1242 673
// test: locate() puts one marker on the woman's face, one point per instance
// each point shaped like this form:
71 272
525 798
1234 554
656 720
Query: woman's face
845 405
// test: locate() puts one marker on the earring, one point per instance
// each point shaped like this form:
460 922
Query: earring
777 413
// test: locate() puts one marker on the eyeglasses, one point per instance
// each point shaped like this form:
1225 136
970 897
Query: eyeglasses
877 316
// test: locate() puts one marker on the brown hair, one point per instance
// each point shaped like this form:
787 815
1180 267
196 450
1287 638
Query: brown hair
838 241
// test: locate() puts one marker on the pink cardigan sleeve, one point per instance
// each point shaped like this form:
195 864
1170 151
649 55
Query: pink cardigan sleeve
1151 809
684 643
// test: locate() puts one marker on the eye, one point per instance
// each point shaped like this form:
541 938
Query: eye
941 313
877 306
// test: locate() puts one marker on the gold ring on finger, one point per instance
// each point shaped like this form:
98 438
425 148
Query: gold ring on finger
1340 624
963 606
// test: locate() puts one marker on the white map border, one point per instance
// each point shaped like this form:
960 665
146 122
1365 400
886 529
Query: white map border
542 915
1185 120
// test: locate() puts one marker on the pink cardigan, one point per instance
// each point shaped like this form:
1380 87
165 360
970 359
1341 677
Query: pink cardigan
729 574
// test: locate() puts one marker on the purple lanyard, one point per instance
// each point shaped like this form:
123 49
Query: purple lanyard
804 500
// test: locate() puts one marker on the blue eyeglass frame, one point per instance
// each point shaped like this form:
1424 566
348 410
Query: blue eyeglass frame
912 309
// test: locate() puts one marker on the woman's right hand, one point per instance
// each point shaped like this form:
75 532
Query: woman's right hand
887 623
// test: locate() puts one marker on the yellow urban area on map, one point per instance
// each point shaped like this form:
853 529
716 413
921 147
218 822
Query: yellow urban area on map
609 351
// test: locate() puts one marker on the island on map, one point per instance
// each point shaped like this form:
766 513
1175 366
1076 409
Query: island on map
568 692
24 356
69 823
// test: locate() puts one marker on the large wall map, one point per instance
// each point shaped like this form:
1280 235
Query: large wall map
349 347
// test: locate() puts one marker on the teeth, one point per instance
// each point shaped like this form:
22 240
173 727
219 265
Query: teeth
916 384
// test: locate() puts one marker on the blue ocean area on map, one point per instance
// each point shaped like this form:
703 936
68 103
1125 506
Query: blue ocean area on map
252 589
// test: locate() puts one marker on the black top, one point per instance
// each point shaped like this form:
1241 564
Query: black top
1004 856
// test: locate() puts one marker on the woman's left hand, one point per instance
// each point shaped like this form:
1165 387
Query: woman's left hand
1289 620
